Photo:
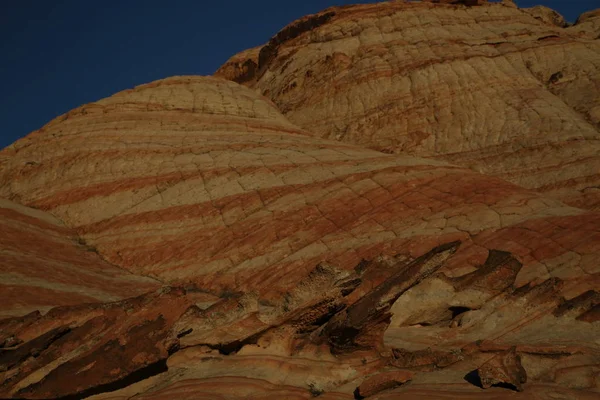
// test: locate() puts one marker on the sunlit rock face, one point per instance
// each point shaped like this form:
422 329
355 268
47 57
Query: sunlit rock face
201 180
191 238
504 91
44 264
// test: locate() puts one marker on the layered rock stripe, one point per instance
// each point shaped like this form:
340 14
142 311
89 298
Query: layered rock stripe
309 266
202 181
504 91
44 264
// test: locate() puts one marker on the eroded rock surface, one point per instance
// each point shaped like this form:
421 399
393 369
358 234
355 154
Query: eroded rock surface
44 264
87 349
381 382
200 181
588 25
488 86
290 265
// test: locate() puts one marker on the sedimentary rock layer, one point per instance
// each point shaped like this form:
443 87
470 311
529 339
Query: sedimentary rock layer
588 25
325 338
296 266
44 264
503 91
202 181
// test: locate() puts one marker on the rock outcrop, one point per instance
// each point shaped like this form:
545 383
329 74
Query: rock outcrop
547 15
201 181
500 90
284 246
195 243
587 25
44 264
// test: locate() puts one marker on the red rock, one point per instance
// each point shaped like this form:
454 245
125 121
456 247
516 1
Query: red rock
103 345
45 264
381 382
466 94
300 266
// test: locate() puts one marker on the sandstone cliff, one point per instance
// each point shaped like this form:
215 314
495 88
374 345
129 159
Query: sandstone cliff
494 88
217 250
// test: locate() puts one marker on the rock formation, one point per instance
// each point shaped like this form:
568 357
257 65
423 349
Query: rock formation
494 88
184 239
588 25
44 264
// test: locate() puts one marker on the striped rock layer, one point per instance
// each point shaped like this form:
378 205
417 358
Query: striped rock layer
201 181
293 266
44 264
504 91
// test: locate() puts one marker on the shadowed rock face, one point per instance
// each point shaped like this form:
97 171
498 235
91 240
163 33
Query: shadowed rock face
504 370
290 265
503 91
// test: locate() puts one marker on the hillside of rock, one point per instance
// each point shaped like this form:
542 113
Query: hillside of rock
186 239
279 245
504 91
44 264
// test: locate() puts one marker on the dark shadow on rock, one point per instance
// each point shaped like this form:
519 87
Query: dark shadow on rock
474 379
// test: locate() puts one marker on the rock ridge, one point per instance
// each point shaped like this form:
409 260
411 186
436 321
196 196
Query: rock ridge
186 239
501 90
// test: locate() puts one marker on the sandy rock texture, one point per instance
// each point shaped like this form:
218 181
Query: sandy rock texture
504 91
201 181
44 264
588 25
295 265
191 238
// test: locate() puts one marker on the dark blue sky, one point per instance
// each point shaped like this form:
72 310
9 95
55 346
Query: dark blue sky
60 54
